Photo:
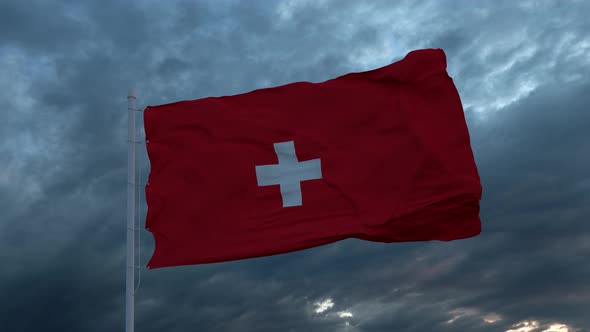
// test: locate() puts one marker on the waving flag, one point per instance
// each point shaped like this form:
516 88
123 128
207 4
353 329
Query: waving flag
382 155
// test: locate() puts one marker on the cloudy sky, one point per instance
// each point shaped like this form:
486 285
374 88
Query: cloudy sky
522 70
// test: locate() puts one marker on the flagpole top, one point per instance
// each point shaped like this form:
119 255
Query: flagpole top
131 93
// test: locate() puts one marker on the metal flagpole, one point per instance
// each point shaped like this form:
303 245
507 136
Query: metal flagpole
130 282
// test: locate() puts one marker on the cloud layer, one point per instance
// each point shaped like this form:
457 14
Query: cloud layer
522 72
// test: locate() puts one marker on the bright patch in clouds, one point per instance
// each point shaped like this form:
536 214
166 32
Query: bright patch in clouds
323 306
344 314
491 318
470 312
557 328
525 326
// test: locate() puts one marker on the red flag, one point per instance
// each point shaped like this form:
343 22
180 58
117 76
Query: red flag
382 155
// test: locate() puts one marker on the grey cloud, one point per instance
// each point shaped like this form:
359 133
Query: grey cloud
38 26
63 141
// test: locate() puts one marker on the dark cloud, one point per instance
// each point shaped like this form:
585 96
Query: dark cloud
519 67
38 26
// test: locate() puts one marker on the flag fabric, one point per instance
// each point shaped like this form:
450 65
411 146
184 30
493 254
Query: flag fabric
382 155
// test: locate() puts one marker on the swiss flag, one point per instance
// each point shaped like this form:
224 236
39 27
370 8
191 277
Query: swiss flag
382 155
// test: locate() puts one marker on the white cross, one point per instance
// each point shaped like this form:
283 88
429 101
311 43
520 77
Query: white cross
288 173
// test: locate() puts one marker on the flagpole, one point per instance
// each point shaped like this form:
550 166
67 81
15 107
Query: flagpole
130 282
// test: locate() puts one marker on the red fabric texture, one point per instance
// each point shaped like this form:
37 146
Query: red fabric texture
396 165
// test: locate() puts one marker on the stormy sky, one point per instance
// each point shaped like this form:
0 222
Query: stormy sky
522 69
